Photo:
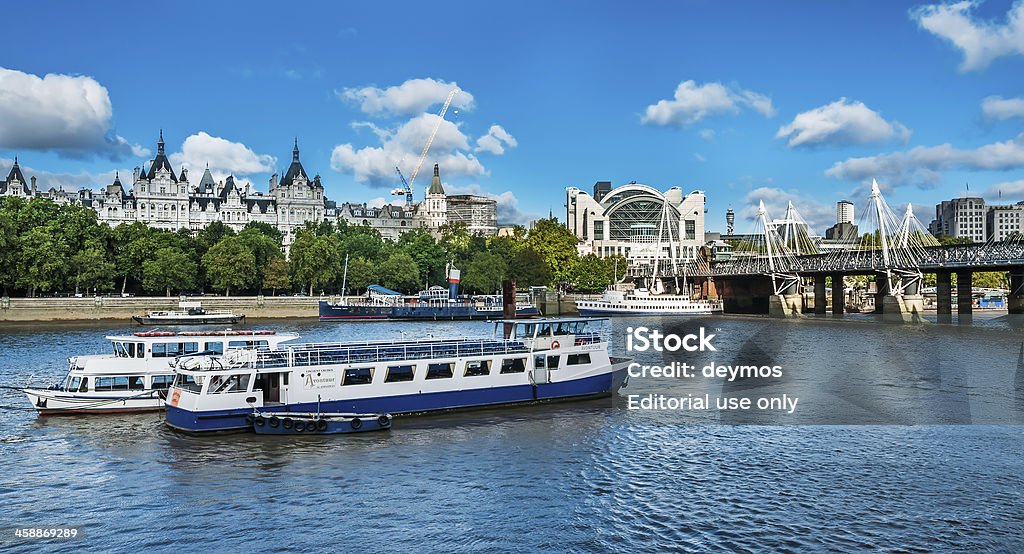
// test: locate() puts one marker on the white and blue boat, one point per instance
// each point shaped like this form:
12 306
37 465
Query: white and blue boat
531 361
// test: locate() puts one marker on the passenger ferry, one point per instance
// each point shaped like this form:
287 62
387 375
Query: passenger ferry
191 313
642 302
136 375
531 361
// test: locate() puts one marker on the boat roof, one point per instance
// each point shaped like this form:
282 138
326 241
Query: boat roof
142 335
383 290
549 320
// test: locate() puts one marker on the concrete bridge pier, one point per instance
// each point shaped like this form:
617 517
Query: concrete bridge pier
819 295
881 291
787 304
1015 300
906 306
838 294
964 300
944 295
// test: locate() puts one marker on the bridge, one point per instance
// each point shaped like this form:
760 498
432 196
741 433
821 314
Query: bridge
766 271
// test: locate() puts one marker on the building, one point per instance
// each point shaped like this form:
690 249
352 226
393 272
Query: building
844 230
1005 221
961 218
438 208
15 184
165 199
636 221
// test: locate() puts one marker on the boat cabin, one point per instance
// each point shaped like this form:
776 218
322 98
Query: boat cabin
549 333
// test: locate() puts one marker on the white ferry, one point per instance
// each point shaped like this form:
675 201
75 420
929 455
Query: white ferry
642 302
191 313
136 375
533 361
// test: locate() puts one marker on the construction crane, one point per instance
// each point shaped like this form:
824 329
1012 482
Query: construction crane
407 192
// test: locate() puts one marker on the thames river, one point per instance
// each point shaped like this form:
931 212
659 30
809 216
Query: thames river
905 437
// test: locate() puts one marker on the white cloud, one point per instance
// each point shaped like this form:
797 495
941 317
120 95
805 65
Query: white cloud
1007 191
692 103
707 134
508 204
71 115
841 123
981 41
699 157
997 107
921 165
818 216
495 141
225 158
409 98
375 165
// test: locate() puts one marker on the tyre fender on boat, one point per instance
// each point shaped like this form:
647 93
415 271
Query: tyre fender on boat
310 426
321 425
274 421
259 421
287 423
356 423
384 421
299 426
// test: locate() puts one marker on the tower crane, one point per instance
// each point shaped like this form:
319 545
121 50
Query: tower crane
407 191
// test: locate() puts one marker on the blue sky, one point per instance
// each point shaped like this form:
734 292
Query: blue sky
744 100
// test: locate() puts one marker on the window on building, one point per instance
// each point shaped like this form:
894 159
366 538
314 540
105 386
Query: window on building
598 230
691 229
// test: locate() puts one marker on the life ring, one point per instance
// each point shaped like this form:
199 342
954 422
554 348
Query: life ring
554 344
286 423
310 426
321 425
384 421
356 423
259 421
274 421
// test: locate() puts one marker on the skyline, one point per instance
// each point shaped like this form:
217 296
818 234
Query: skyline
805 104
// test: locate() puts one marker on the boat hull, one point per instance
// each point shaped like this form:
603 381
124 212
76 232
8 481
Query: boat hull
285 425
333 312
51 402
411 404
592 312
202 320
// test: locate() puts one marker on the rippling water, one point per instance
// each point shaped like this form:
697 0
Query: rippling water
906 438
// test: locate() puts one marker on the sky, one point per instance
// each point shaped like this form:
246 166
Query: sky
748 101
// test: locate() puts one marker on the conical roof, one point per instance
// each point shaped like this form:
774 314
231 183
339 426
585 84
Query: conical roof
435 183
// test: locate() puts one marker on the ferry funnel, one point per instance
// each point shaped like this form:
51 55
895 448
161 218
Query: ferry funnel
453 283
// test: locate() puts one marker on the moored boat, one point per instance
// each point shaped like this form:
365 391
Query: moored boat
135 377
531 361
191 313
641 302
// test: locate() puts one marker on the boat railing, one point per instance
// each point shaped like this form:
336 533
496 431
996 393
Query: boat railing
328 354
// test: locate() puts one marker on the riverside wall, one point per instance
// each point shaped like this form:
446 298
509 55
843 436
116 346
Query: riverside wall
116 308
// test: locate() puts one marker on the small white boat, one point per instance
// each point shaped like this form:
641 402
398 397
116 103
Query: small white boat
135 377
642 302
191 313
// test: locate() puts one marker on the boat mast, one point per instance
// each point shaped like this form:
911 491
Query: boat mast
344 280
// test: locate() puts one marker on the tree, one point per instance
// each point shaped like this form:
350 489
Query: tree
91 269
42 260
528 268
315 259
170 268
556 245
399 272
484 273
429 255
361 274
455 239
230 264
275 275
132 247
263 229
591 274
264 247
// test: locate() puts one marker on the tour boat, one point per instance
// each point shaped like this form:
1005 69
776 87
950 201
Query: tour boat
266 423
531 361
191 313
136 375
642 302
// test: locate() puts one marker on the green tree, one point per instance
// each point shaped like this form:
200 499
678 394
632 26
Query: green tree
263 229
275 275
230 264
132 247
399 272
529 269
42 261
361 274
315 259
455 240
170 268
591 274
429 254
484 273
91 269
556 245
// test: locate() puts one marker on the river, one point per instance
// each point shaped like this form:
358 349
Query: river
905 437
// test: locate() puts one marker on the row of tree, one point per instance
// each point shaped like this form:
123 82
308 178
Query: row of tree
47 248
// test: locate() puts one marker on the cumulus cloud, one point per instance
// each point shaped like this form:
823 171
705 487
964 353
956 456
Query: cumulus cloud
67 114
224 157
1006 191
495 141
507 204
375 165
409 98
980 41
841 123
922 165
997 107
818 216
692 103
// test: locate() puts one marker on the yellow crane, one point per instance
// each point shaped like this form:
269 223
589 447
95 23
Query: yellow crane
412 180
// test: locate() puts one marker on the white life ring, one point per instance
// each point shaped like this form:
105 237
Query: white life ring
554 344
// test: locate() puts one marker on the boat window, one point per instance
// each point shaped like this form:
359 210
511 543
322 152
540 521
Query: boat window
475 368
73 385
562 329
527 330
215 347
173 349
358 376
119 350
162 381
85 385
248 344
190 347
232 383
545 330
440 371
553 362
399 373
140 350
577 359
111 383
538 361
513 365
131 349
159 350
135 383
187 382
